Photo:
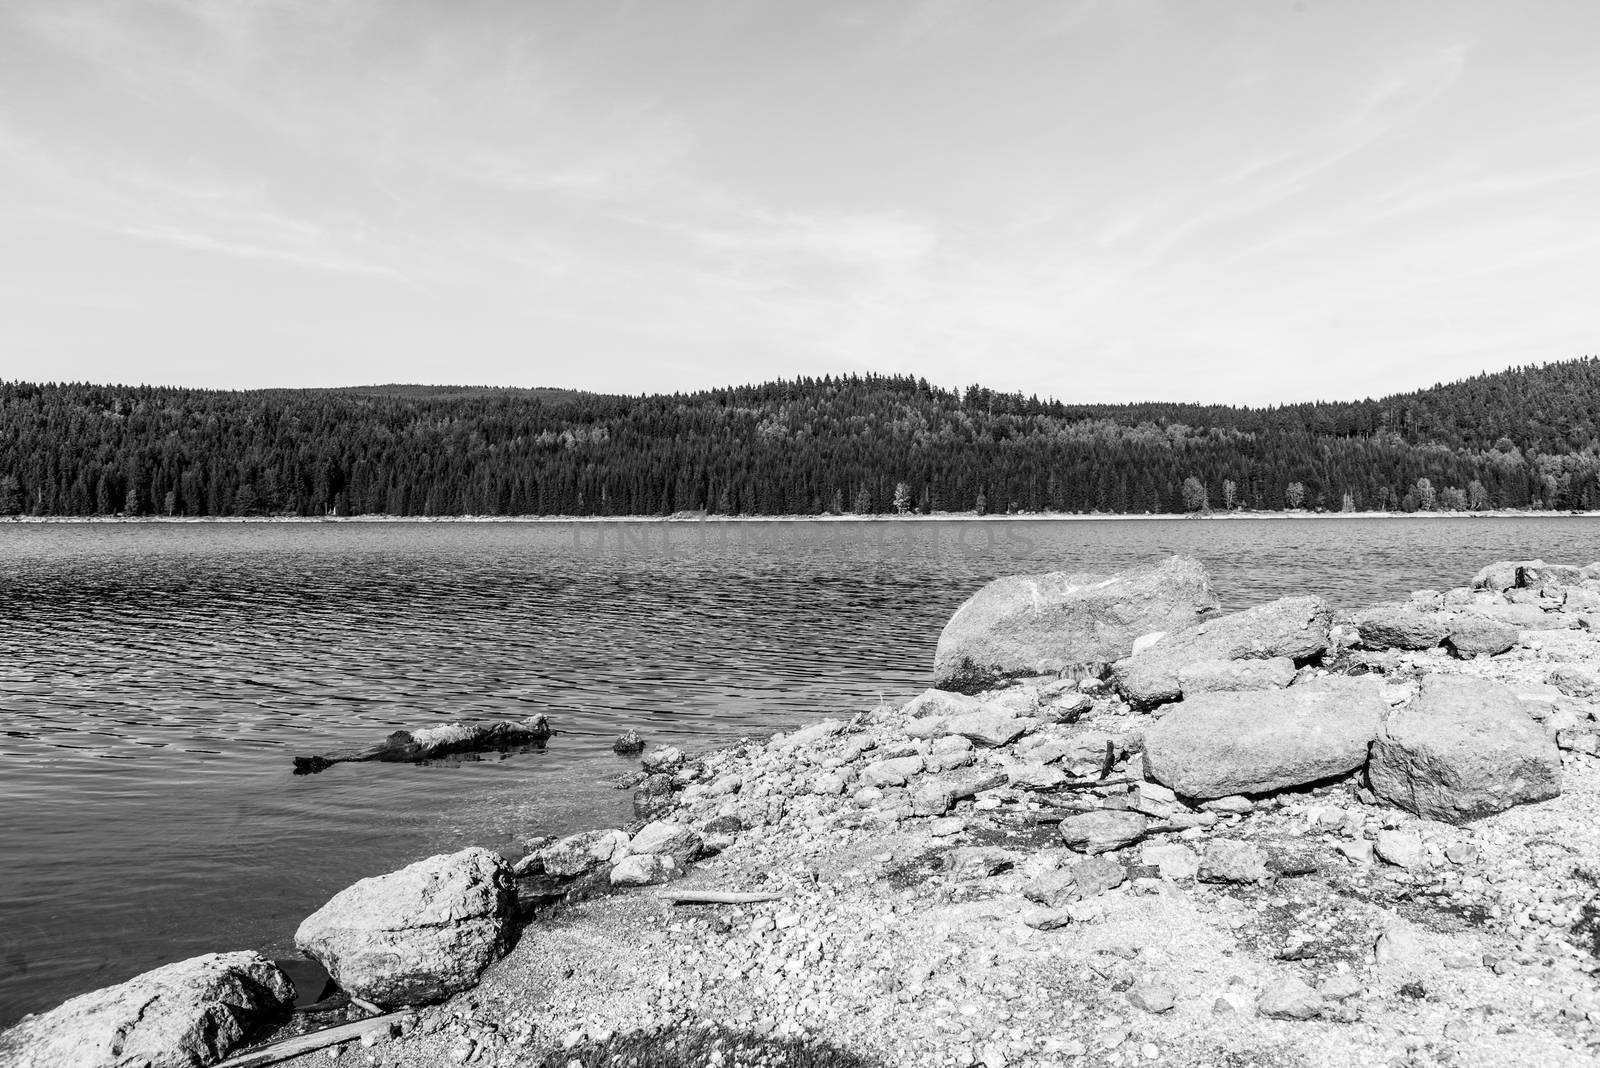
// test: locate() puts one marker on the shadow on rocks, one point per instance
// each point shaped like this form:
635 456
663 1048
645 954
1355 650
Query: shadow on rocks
694 1048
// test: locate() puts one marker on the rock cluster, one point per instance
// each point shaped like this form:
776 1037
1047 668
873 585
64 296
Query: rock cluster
1045 874
1024 625
1260 837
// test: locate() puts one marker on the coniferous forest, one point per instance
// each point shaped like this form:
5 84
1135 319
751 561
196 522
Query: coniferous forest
1523 438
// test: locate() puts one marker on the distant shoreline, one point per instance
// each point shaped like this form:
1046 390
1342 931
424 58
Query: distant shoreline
937 517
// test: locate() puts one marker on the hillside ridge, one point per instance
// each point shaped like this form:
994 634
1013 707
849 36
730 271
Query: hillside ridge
1526 437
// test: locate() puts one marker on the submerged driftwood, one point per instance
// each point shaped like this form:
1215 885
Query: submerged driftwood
409 747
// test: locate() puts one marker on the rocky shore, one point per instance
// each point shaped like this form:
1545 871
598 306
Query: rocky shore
1124 829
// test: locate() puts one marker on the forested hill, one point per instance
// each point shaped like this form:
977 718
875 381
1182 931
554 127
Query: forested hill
1522 438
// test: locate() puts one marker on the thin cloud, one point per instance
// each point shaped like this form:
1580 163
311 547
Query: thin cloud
200 242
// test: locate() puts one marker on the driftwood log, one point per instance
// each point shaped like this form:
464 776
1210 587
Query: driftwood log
294 1047
718 897
410 747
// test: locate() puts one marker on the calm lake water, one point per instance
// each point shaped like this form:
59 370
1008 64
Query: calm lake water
157 679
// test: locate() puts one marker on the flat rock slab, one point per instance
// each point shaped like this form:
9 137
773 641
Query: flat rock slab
892 772
1103 831
1218 744
1039 624
416 935
1223 676
934 794
1463 748
936 702
1523 616
988 727
1228 860
1292 627
189 1013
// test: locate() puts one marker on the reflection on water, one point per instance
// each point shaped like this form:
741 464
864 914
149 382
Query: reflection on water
157 679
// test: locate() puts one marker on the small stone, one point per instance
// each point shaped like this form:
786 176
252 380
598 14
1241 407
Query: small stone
628 743
1151 997
947 826
1340 987
1046 919
1461 853
1234 803
1398 944
1359 851
1175 861
1401 848
828 784
1289 998
1228 860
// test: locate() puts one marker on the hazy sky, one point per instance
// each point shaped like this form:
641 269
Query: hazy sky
1232 201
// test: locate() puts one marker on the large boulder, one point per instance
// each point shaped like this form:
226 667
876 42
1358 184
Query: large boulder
1039 624
1463 748
1218 744
1293 627
1400 626
416 935
182 1015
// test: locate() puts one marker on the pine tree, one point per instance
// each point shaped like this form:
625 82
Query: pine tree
902 498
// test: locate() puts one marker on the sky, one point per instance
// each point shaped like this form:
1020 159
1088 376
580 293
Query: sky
1242 202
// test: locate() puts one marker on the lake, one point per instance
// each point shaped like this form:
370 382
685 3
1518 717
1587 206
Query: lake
156 680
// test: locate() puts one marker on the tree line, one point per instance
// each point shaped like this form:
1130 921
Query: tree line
1523 438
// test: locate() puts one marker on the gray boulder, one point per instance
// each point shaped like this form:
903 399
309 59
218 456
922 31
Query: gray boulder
182 1015
666 838
1220 676
416 935
1501 575
643 869
1463 748
1041 624
1473 635
1217 744
1293 627
1400 626
1550 578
